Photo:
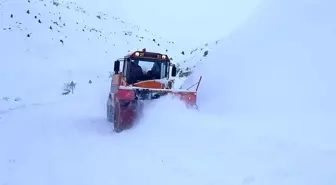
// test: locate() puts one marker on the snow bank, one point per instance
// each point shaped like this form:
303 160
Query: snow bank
281 61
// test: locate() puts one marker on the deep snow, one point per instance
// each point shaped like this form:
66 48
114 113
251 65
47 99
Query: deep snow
240 135
280 61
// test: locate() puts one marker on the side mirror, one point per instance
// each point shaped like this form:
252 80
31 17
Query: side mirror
116 66
173 71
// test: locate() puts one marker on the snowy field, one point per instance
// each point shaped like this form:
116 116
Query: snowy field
267 103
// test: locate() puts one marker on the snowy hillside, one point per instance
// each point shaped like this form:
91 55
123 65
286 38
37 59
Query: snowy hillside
45 45
273 81
194 57
277 63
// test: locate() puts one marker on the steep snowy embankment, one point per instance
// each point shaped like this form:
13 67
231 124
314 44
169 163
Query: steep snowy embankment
274 79
45 45
280 61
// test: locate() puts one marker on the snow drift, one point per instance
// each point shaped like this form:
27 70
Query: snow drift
281 61
272 81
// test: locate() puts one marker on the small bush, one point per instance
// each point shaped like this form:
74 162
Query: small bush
69 87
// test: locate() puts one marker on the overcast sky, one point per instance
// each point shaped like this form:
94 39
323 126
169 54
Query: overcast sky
186 21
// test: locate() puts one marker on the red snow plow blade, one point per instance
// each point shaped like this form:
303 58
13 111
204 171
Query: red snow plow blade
129 103
189 97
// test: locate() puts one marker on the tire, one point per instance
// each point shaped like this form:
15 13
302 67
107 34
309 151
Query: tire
116 117
109 111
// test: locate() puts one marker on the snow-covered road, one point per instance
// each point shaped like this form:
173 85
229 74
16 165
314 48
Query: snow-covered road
70 142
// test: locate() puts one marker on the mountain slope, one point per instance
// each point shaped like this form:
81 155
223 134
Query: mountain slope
273 78
277 63
195 57
46 44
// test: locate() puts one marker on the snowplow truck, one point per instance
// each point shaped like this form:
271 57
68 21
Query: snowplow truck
141 76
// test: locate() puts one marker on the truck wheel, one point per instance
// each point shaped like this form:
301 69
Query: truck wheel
116 118
109 113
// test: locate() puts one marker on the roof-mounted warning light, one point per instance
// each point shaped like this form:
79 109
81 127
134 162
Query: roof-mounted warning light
144 50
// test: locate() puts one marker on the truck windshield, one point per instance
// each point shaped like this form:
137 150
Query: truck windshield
152 69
